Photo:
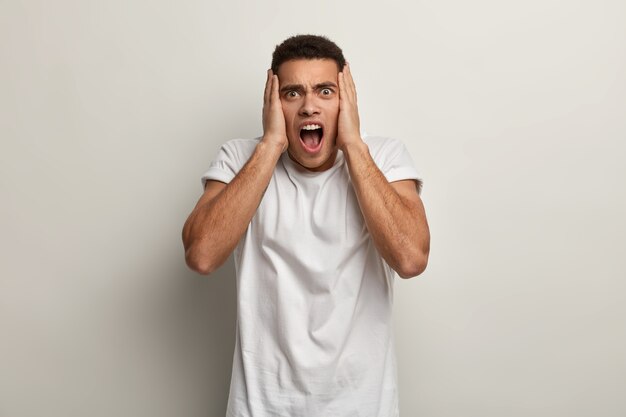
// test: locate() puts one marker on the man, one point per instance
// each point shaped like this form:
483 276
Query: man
318 218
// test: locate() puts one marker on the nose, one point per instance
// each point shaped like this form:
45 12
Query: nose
309 106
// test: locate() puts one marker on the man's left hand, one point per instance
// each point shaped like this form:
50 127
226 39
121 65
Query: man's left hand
348 129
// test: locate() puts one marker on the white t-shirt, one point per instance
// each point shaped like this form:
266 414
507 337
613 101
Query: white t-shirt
314 298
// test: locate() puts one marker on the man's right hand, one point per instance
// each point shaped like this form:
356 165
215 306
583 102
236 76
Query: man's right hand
274 131
223 213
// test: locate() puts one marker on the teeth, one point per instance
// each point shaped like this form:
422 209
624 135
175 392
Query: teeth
312 127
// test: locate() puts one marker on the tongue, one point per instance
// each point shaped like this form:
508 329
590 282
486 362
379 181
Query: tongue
311 138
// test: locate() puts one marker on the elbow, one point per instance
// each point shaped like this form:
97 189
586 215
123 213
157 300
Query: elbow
198 263
413 266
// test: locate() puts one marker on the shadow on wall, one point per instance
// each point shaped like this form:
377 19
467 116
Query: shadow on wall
205 309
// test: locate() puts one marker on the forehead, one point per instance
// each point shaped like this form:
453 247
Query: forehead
308 71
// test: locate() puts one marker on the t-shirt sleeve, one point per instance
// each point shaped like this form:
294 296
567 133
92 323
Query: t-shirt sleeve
394 160
230 158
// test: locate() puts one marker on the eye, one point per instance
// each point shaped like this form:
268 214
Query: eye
292 94
326 91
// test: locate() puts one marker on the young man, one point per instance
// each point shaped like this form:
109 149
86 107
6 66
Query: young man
319 218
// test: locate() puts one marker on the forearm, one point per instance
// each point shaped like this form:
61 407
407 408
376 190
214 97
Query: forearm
214 228
396 224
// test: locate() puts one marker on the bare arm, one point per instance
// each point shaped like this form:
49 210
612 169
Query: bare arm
393 212
224 211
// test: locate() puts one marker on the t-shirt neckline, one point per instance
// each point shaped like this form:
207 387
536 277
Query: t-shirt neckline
293 166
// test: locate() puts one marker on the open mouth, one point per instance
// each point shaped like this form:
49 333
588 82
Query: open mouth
311 136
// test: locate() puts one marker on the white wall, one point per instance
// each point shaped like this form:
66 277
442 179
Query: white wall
513 111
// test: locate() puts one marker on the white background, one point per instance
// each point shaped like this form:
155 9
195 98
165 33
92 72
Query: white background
514 113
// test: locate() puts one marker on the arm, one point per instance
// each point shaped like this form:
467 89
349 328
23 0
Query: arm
224 211
393 212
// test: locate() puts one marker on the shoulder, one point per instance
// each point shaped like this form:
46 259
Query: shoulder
381 146
392 158
229 160
241 149
236 152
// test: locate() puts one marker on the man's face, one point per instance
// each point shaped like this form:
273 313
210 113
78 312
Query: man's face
309 94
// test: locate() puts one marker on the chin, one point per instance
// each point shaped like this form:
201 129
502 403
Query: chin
322 161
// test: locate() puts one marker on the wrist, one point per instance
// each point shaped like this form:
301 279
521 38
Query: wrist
354 147
275 142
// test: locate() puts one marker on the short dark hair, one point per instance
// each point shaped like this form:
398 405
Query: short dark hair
307 47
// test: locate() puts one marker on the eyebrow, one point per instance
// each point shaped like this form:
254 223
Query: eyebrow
300 87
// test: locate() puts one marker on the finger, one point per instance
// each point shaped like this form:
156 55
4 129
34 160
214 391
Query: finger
350 82
275 95
342 87
347 91
268 87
